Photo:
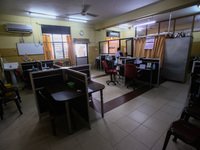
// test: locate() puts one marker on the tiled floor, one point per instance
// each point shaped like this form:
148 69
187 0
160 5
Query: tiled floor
139 124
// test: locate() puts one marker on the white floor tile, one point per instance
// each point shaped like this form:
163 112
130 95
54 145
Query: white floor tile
127 124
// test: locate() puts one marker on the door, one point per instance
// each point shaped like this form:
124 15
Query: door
81 54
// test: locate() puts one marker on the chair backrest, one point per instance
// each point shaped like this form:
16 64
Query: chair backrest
59 63
20 74
105 66
2 86
131 71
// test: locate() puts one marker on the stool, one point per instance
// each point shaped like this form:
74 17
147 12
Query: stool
186 132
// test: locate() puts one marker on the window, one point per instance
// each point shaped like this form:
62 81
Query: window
113 45
103 47
111 35
141 31
165 25
55 41
152 28
197 23
184 25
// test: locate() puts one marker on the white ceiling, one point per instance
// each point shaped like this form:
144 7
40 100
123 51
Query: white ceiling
174 14
105 9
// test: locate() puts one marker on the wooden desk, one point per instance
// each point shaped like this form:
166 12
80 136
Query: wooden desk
94 87
62 93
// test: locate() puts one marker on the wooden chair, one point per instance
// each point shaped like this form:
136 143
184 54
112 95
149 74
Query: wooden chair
112 72
186 132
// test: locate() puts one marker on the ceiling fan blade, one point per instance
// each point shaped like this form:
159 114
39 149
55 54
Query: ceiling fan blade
73 14
93 15
85 8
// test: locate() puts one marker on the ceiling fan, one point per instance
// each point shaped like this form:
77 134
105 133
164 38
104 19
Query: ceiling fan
84 11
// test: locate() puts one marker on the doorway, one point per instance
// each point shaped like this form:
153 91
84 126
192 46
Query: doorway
81 54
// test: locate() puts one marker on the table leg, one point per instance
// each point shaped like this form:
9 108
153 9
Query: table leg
68 117
102 110
151 79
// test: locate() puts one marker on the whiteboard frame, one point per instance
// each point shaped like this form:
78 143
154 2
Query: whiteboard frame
30 48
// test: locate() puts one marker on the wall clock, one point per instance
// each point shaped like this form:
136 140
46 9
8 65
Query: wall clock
81 32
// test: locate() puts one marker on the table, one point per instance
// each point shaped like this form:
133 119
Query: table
94 87
62 93
148 69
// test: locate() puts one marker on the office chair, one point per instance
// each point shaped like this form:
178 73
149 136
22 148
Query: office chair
131 74
185 131
59 63
111 72
8 96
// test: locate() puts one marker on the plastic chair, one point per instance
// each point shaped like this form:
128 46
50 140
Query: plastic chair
186 132
111 72
22 78
11 89
8 96
191 111
131 74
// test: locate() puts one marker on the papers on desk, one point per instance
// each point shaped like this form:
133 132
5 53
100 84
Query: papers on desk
142 66
89 90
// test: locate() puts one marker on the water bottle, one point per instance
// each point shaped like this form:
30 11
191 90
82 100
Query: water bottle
154 66
33 68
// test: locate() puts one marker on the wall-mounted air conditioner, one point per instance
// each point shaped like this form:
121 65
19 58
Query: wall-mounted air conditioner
19 28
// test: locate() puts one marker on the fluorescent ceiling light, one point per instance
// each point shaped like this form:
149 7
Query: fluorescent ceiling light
41 15
77 20
151 22
123 26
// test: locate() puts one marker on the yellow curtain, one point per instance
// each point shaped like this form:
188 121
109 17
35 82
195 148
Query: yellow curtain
139 45
47 47
71 54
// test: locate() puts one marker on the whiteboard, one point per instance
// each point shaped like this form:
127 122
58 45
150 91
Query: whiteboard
30 48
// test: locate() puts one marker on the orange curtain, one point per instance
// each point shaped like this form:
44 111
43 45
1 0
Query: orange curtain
47 47
156 52
71 54
139 45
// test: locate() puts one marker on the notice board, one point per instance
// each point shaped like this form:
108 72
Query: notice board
30 48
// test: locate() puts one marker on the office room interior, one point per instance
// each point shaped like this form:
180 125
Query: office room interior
64 87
